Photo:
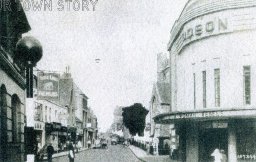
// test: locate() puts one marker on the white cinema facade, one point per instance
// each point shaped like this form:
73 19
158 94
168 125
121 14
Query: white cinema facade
213 80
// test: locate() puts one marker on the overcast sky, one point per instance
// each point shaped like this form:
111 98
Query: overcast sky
125 34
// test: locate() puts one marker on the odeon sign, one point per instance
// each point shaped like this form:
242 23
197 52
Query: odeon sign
201 30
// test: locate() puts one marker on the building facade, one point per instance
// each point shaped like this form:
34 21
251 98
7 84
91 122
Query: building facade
212 60
12 86
51 122
91 128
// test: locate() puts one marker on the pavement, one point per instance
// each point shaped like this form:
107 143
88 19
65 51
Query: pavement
143 156
60 154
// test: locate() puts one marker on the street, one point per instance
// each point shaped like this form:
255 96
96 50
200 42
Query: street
116 153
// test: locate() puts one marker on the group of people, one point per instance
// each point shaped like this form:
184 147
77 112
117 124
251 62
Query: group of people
71 152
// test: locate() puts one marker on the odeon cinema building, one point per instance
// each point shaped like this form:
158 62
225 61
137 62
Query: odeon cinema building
213 80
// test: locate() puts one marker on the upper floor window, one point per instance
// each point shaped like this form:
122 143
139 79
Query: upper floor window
194 80
45 116
217 87
247 85
204 88
50 115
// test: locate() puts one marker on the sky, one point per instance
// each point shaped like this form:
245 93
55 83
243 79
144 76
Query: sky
126 35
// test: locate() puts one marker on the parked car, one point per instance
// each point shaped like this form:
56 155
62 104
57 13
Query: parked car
97 144
114 141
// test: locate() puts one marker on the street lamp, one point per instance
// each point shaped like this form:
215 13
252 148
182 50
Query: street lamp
28 52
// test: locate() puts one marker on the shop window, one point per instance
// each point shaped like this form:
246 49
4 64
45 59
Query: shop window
50 115
247 85
204 88
217 87
45 116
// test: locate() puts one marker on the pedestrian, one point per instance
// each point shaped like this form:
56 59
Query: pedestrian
217 155
71 152
50 151
79 145
89 143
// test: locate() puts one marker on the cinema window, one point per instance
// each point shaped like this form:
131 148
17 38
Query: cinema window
247 85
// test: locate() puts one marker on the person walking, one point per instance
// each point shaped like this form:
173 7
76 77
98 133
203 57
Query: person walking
71 152
217 155
50 151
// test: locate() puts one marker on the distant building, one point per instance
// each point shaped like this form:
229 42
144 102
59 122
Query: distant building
118 119
91 127
160 103
57 92
51 122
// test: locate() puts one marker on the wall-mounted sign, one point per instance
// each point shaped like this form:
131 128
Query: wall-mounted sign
48 85
217 114
215 24
202 29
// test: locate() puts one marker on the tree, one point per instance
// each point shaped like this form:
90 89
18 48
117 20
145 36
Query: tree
134 118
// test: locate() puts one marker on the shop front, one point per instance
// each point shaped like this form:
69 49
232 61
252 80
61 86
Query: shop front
39 127
63 134
52 132
200 133
72 134
80 135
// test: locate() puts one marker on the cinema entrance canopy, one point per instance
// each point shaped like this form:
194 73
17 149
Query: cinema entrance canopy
205 115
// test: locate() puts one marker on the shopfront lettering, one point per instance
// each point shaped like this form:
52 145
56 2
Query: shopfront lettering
211 114
199 115
201 30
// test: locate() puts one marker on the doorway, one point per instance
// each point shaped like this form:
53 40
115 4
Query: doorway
209 140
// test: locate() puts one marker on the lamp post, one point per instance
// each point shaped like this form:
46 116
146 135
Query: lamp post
28 52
